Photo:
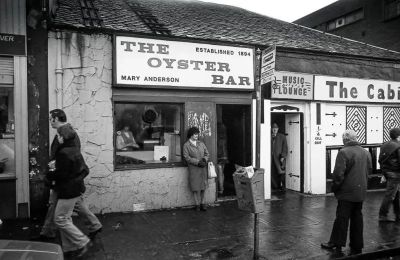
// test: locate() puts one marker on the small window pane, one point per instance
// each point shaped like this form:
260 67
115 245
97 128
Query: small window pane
147 133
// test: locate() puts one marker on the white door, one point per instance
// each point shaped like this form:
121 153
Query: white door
292 127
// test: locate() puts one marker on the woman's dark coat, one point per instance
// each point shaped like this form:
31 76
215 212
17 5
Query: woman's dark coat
350 176
71 169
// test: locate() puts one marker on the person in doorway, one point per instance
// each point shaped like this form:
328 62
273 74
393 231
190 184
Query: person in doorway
196 155
222 155
125 140
278 158
389 160
58 120
350 178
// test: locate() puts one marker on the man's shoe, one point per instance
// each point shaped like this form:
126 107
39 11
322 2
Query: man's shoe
203 207
82 251
93 234
385 219
331 245
355 251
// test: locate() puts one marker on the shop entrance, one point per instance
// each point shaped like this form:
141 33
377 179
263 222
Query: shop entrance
291 125
233 144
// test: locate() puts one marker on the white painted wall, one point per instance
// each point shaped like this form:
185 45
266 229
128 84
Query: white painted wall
86 65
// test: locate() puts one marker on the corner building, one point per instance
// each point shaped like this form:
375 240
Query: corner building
177 64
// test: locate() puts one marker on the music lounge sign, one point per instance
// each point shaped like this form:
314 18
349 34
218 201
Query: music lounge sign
288 85
356 90
151 62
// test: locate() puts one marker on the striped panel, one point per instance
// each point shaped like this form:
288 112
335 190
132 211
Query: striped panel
356 119
391 119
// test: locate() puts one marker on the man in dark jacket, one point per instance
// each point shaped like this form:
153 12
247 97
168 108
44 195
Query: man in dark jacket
68 174
278 158
58 120
350 178
389 159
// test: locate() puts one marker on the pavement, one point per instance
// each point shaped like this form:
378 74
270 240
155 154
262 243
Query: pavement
292 227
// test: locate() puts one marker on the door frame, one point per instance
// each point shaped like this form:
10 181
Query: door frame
294 108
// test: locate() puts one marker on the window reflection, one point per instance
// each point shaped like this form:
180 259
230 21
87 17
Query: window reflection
147 133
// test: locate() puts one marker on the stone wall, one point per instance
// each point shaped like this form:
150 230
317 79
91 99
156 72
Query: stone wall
87 99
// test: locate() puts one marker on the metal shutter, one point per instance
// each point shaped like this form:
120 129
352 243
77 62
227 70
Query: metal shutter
6 70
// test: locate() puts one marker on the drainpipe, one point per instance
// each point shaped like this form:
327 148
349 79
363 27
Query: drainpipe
59 73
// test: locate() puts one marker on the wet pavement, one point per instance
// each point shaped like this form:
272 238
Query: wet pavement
292 227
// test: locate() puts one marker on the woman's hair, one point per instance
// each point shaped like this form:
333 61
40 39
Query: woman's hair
193 130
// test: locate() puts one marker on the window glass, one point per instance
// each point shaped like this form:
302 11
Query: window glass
7 128
391 9
147 133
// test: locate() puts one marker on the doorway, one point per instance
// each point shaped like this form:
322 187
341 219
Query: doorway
233 144
291 125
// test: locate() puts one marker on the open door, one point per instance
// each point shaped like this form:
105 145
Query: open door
293 161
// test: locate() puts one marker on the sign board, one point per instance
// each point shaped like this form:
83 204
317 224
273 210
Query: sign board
151 62
289 85
356 90
268 64
12 44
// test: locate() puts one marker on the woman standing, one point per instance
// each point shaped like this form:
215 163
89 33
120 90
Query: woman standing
196 155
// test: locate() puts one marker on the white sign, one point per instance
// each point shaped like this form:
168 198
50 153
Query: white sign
149 62
268 64
290 85
356 90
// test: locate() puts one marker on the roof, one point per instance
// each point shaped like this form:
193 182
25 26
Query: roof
208 21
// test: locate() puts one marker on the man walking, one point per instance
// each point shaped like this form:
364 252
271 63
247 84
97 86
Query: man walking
278 158
58 120
350 177
67 172
389 160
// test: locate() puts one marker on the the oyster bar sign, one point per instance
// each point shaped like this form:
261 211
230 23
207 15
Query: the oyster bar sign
150 62
356 90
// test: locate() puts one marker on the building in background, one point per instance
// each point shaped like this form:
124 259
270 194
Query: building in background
376 22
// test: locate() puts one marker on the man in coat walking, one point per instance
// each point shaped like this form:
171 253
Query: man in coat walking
389 159
278 158
350 178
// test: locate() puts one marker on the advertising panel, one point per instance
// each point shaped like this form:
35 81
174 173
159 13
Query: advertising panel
289 85
356 90
151 62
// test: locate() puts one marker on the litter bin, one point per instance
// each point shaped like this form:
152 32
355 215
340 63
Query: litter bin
250 191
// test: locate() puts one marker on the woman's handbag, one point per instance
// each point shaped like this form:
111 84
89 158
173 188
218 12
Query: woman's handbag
211 171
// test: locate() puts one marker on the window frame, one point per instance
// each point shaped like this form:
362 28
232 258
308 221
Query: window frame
345 19
385 4
124 167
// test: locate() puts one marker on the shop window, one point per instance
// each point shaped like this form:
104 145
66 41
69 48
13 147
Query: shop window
391 9
147 134
7 128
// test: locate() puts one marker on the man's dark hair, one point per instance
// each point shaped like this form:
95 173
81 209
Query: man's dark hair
60 114
394 133
193 130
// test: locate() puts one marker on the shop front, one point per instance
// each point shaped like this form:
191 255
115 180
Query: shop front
314 110
14 177
133 107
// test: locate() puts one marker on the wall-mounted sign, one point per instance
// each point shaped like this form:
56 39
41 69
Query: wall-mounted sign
356 90
288 85
150 62
12 44
268 58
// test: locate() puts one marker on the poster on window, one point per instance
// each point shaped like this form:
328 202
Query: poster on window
151 62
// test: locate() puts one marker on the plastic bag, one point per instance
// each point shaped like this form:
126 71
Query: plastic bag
211 171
